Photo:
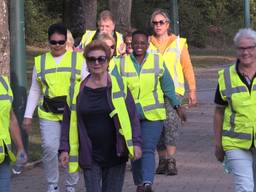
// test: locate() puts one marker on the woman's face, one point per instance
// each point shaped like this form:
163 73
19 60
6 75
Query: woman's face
160 25
111 46
246 51
97 62
57 43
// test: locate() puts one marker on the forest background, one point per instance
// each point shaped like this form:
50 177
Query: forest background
206 23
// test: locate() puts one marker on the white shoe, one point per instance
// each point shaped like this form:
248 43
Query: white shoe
70 189
53 188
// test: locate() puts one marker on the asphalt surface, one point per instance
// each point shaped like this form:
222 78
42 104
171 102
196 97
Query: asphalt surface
198 170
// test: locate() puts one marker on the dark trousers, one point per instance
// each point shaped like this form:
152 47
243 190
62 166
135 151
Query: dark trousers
98 179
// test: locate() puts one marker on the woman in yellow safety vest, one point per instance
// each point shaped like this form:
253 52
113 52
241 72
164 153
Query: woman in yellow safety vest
235 116
54 75
100 128
174 50
149 81
9 130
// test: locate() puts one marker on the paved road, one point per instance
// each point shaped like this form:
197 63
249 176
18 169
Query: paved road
198 169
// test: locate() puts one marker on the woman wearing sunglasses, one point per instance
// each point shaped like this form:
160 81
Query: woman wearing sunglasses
176 56
54 76
100 128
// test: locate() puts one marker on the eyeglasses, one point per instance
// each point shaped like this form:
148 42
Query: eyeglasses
249 48
53 42
100 60
161 22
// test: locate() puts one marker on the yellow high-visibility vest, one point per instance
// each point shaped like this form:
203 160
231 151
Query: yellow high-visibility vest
172 61
57 79
119 93
145 86
89 34
6 98
239 124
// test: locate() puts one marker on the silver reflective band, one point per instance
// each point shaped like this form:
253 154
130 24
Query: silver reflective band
254 87
4 83
233 134
73 107
118 94
60 69
73 76
129 142
154 106
126 74
228 86
1 149
73 159
5 97
9 147
238 89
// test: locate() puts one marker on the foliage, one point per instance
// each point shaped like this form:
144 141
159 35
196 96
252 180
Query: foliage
38 16
205 23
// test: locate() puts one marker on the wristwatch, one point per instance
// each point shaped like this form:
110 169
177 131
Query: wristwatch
176 106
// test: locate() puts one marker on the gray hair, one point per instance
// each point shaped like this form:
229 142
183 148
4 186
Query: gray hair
245 33
160 12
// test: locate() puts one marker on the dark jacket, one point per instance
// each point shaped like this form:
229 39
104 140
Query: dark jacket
85 147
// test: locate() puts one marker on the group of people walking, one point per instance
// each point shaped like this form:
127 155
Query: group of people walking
112 99
109 100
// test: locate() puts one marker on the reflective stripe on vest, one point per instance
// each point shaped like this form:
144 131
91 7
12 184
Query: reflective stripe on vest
228 94
177 78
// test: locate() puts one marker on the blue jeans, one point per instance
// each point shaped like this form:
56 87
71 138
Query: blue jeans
144 169
242 166
5 175
98 179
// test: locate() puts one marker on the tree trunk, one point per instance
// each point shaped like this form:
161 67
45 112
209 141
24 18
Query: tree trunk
90 11
4 39
121 10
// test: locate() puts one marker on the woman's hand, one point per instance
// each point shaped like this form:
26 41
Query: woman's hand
137 153
27 124
219 153
192 99
181 113
64 159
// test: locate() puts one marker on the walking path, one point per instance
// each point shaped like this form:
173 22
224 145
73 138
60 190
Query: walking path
198 169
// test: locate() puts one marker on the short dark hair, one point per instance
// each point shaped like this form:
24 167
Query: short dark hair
139 32
59 28
97 45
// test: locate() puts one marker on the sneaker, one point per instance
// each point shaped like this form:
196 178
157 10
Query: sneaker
140 188
171 167
53 188
148 188
70 189
162 166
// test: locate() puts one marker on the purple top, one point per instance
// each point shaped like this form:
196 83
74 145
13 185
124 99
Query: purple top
85 147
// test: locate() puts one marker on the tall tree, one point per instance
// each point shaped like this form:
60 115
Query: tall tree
4 38
90 11
121 10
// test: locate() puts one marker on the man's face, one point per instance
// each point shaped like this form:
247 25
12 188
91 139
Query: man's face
106 26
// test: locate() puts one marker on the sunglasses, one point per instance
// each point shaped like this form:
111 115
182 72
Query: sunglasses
100 60
161 22
53 42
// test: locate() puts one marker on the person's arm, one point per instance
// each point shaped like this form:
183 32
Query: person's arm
189 75
16 137
168 88
135 124
218 122
64 139
32 102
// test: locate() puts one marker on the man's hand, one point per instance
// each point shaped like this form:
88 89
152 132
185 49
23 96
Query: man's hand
219 153
64 159
192 98
181 113
137 153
